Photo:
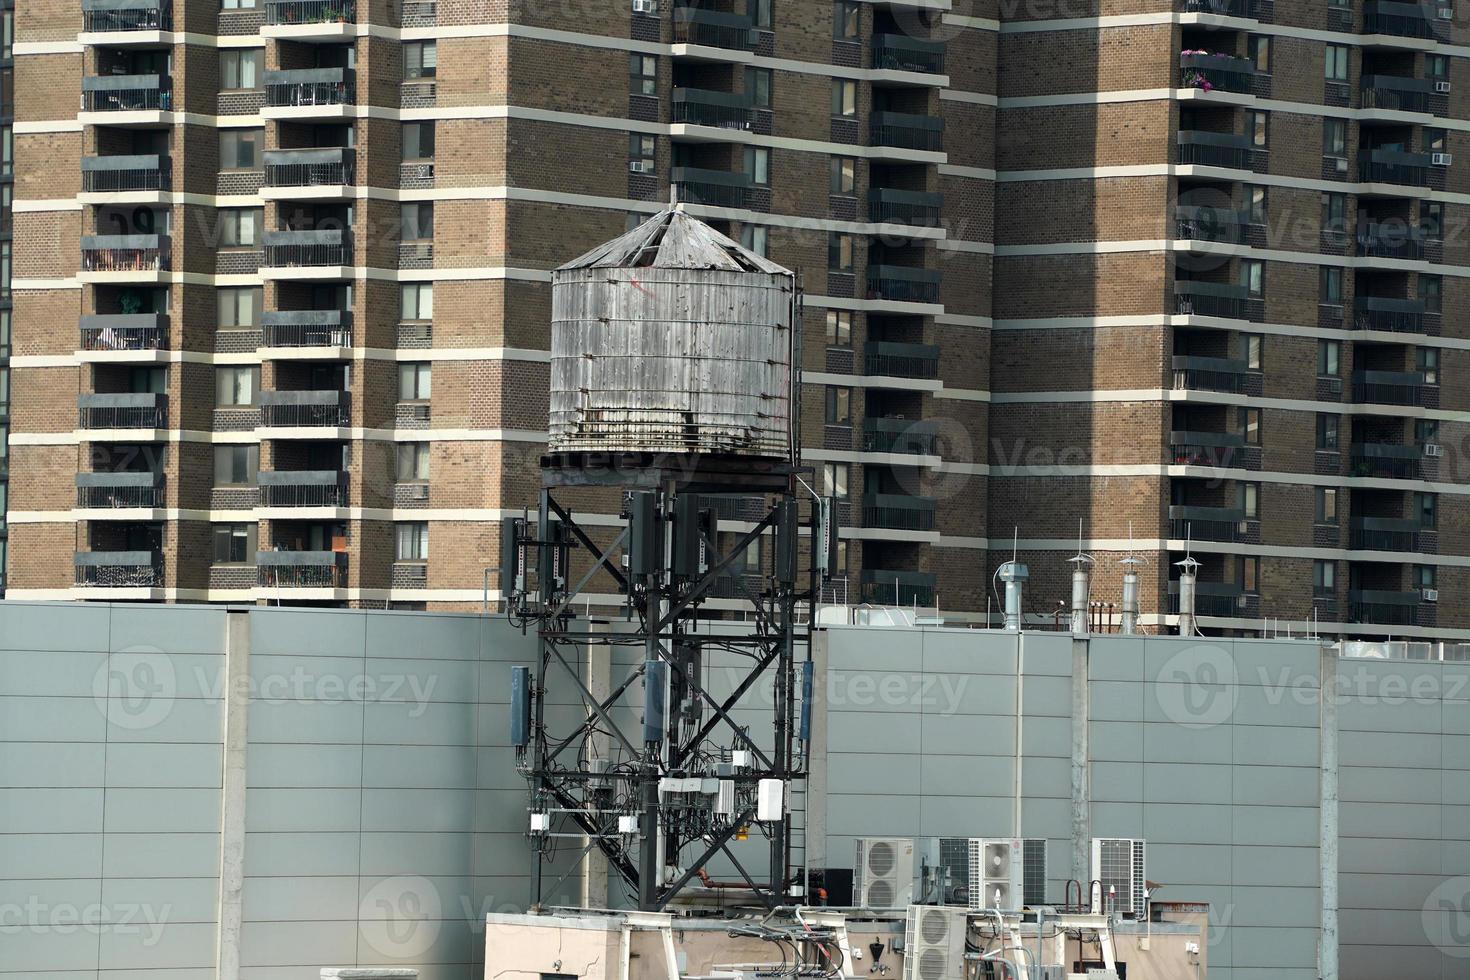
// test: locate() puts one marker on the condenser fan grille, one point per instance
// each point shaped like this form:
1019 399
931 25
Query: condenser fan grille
881 858
934 927
934 965
880 895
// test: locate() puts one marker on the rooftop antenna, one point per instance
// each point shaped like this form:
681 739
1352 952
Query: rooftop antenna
1080 585
1129 624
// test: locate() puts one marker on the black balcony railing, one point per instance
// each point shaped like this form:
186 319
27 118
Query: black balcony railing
907 131
303 87
302 488
1397 19
715 29
908 436
329 167
124 331
301 569
1384 534
899 52
1194 297
1388 313
115 174
1389 608
1395 92
1390 240
1210 598
886 587
1192 373
1394 167
1190 523
893 206
125 253
702 107
1223 8
287 12
1204 448
119 569
126 93
903 284
1388 387
128 410
1388 460
1208 224
307 249
116 490
721 188
898 512
293 409
107 16
885 358
1206 149
306 328
1216 72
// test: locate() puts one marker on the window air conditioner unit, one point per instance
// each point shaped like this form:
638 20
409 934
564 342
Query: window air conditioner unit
883 877
1442 88
417 491
934 942
1441 159
645 6
1118 867
1429 595
1446 13
640 166
1341 164
1432 450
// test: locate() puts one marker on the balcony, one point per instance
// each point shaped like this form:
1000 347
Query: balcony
1192 373
1206 224
898 512
124 331
125 257
118 490
1390 240
1206 149
715 29
1395 92
1397 19
721 188
119 569
1222 8
306 328
1387 460
116 16
1210 598
1393 167
702 107
904 436
903 284
886 587
310 88
1383 607
330 167
325 248
124 174
279 13
899 207
126 93
127 410
301 569
305 409
1388 387
1388 313
899 52
907 131
1216 72
1187 522
1384 534
893 360
1188 448
1222 299
303 488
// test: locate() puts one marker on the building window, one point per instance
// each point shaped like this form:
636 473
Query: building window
641 153
1334 213
1256 128
236 386
1324 577
1326 505
846 20
749 561
834 480
1431 219
238 4
1329 358
236 466
758 87
1327 433
839 328
416 301
1252 347
1437 67
1258 50
1426 509
420 59
1250 426
7 150
411 541
760 13
240 68
1334 137
844 98
1426 432
1255 205
839 406
414 382
643 69
7 36
418 141
844 176
1335 64
413 461
239 306
1248 573
1426 577
757 238
1431 293
758 165
839 251
417 220
1426 362
1331 286
1250 501
1253 277
240 227
234 544
239 149
1435 140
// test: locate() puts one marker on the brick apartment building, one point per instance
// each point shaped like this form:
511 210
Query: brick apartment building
7 179
1186 277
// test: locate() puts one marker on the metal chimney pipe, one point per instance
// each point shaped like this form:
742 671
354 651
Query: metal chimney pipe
1129 624
1187 580
1014 575
1079 599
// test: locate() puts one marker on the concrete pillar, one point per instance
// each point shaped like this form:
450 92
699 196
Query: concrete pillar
236 712
816 784
1081 790
1327 940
